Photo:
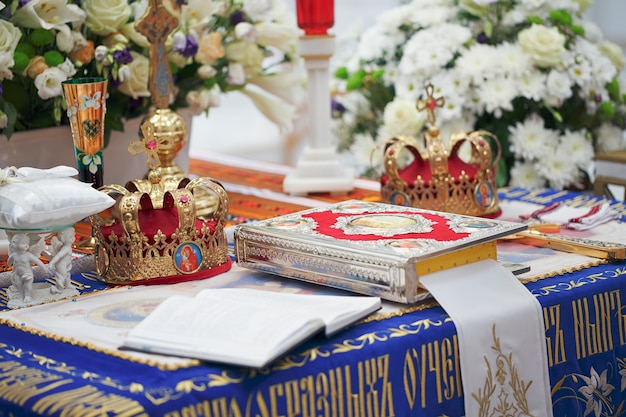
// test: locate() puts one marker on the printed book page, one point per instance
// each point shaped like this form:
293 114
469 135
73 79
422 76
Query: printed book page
103 319
243 326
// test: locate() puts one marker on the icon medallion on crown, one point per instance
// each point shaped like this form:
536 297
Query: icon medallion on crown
456 178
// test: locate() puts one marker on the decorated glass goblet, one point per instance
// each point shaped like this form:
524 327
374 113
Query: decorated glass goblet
86 107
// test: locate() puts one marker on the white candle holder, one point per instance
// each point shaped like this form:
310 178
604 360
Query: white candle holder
318 168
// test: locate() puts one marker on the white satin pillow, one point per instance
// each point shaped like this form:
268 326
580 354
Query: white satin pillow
33 198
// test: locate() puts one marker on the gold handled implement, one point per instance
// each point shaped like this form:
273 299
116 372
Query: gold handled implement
595 248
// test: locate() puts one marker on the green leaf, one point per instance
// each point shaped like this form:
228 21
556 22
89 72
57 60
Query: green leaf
579 30
557 116
355 81
377 74
607 109
502 177
614 90
534 20
341 73
561 17
11 113
488 28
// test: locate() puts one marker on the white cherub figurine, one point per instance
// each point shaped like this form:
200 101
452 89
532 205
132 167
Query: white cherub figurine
61 250
22 260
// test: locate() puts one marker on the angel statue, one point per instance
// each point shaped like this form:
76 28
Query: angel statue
22 258
61 251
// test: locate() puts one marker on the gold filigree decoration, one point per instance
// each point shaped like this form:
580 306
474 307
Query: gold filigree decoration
506 395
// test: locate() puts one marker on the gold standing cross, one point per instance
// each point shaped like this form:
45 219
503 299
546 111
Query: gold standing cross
156 24
430 103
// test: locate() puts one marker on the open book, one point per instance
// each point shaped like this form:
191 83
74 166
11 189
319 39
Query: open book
241 326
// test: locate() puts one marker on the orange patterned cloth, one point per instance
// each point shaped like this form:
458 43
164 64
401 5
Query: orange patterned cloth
244 207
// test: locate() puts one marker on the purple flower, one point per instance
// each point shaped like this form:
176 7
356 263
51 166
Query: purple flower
236 18
482 38
113 82
123 56
336 107
187 46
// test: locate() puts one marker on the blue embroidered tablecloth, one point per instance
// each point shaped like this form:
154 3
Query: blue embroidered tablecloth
403 364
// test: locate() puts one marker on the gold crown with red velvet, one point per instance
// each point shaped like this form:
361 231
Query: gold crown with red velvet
156 232
437 176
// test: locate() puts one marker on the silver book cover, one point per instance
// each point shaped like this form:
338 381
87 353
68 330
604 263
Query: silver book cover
364 247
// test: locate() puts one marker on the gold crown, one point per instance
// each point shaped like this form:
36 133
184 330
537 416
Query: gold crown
154 232
437 177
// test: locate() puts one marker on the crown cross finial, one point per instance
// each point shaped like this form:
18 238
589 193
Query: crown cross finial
151 144
430 103
156 24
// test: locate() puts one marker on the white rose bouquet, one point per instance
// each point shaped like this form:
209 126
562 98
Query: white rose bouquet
218 46
534 73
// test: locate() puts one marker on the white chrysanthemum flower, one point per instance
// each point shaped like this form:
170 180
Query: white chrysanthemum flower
497 94
525 174
580 72
452 108
602 68
533 85
559 85
378 42
394 17
422 56
366 152
461 124
477 62
577 147
559 171
610 138
426 52
430 15
512 59
530 139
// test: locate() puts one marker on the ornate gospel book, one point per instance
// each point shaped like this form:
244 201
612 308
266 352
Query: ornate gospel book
369 248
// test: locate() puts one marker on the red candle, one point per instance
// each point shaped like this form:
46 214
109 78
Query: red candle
315 17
